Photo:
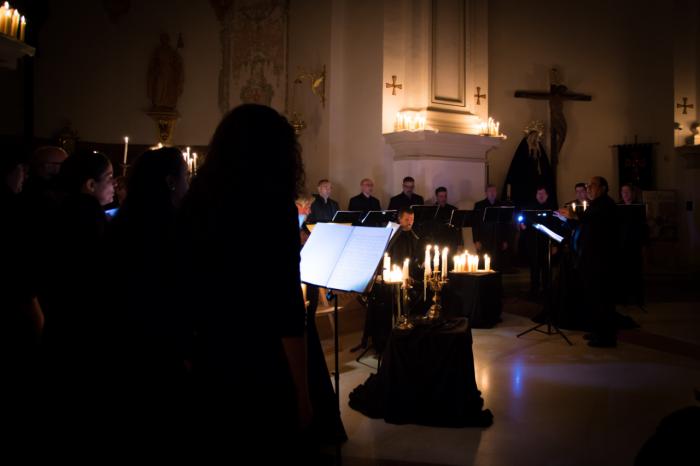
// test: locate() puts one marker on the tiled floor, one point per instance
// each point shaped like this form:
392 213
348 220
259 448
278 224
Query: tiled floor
553 404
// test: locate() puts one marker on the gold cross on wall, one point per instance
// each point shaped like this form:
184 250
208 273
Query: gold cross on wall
479 95
393 85
685 106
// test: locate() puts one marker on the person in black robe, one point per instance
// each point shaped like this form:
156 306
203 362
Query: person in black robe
633 236
76 339
490 238
149 332
323 208
407 197
365 201
440 230
598 261
243 288
529 169
536 243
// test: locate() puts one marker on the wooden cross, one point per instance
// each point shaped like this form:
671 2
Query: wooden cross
393 85
558 93
685 106
479 95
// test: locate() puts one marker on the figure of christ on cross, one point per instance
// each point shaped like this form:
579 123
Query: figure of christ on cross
556 96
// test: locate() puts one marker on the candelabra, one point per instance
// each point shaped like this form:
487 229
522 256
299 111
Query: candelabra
436 282
402 323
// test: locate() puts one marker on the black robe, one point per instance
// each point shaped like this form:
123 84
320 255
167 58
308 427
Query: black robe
526 172
364 203
401 201
322 210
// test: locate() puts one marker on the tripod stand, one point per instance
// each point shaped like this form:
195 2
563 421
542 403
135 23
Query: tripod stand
552 327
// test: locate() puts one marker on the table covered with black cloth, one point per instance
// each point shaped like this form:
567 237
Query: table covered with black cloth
426 377
477 296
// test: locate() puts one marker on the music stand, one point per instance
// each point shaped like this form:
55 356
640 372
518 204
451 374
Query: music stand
424 213
351 217
462 218
444 214
551 236
379 218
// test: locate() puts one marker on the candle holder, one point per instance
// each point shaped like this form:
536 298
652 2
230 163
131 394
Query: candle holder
402 323
125 168
436 282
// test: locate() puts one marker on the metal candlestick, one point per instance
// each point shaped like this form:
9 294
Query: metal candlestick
402 322
436 282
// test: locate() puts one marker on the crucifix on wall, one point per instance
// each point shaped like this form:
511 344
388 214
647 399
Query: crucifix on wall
556 96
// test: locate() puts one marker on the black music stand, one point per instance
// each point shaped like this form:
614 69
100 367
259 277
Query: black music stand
379 218
348 216
552 328
424 213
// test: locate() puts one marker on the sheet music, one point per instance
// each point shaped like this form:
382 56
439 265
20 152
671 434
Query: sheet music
322 251
548 232
359 259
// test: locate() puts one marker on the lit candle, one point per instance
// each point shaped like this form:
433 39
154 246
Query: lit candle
3 11
126 148
487 262
585 205
8 22
387 266
22 28
15 24
444 263
194 163
405 272
573 206
436 259
427 261
303 292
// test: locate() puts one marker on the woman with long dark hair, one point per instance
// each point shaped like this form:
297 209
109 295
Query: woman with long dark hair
242 229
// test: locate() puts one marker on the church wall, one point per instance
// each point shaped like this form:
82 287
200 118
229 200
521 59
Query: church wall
615 51
93 72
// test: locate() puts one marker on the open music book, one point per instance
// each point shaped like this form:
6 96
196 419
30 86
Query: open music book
343 258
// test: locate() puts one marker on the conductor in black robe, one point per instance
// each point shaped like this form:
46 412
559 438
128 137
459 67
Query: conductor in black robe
597 262
407 197
529 169
490 238
365 201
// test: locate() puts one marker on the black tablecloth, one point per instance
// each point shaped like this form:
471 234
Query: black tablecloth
476 296
426 377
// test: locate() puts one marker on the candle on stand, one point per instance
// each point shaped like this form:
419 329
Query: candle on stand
387 267
3 11
194 163
15 24
126 148
22 28
444 263
487 262
405 273
436 259
8 22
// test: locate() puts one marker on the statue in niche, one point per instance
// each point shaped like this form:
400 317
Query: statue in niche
166 76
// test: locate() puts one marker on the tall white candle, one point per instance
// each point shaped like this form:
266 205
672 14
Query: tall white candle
444 263
405 272
22 28
3 11
487 262
126 148
585 205
15 24
436 259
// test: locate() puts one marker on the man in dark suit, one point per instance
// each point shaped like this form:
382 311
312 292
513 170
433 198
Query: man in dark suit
365 201
407 197
323 208
490 238
597 259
